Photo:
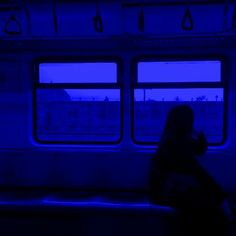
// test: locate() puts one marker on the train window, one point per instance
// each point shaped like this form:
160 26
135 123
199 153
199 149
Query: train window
78 103
161 85
78 72
187 71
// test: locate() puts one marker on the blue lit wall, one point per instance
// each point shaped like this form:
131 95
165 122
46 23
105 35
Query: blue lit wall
73 19
24 162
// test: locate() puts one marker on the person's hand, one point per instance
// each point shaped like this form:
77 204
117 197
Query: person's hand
195 134
201 143
202 137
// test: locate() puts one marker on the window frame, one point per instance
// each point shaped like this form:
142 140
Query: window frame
175 85
83 59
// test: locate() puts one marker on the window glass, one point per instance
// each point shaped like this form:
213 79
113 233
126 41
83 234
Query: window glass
151 107
99 72
78 115
179 71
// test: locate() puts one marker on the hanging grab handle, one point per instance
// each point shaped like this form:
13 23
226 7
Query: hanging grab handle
226 11
27 15
187 22
13 26
234 16
141 21
54 13
97 21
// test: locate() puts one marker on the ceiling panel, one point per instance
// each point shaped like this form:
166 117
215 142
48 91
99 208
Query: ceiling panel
123 1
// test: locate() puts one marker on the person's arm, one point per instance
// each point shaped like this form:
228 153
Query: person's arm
200 144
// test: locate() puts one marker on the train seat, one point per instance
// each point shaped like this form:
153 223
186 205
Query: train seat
86 214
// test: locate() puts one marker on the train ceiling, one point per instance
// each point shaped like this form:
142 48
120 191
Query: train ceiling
92 17
127 2
7 4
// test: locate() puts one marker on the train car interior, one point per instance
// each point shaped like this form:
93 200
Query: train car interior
85 91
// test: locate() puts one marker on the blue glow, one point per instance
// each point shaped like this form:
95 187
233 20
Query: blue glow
97 202
94 94
99 72
191 94
181 71
78 115
103 203
152 105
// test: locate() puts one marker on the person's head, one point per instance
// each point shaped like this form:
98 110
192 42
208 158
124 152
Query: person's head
180 121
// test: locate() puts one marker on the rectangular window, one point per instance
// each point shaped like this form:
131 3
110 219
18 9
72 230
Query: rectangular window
181 71
160 86
78 103
84 72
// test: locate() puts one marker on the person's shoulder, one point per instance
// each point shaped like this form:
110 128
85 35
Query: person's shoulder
164 145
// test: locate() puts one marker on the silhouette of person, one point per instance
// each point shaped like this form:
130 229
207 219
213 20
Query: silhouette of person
178 180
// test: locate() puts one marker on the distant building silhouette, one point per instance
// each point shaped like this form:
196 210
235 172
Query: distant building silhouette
53 95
